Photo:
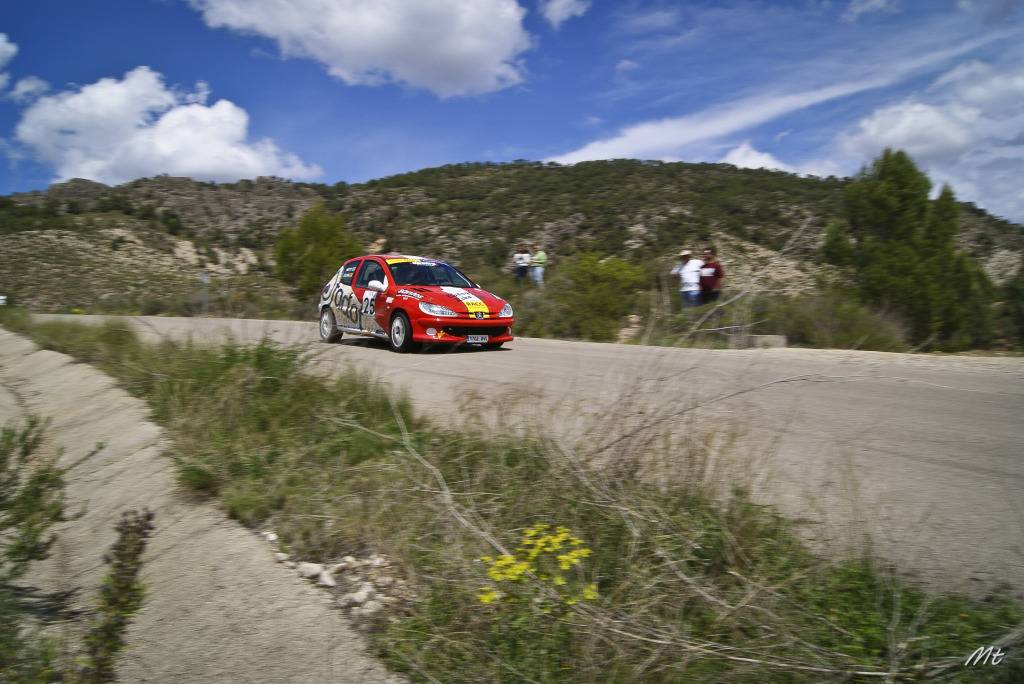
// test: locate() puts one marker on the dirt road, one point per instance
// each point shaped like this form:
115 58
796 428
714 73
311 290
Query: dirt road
925 453
218 608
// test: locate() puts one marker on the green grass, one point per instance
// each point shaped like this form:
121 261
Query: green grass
692 588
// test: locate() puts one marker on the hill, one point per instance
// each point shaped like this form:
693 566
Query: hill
141 245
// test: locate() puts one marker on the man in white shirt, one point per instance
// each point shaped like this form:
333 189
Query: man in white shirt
688 270
521 262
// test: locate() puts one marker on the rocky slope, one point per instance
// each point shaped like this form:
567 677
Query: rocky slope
141 246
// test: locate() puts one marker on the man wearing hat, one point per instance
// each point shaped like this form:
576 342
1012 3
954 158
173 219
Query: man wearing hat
688 270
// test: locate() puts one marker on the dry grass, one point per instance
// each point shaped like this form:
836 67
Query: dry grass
696 581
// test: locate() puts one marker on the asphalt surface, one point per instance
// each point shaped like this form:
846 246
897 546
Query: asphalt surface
920 456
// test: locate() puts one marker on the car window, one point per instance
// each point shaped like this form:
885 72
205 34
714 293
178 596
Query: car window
371 270
347 271
429 273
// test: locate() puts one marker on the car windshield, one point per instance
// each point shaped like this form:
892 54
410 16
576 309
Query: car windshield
429 273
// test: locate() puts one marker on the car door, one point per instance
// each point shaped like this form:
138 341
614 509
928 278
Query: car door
343 301
365 298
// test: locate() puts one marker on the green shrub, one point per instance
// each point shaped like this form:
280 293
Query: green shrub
309 254
832 320
586 297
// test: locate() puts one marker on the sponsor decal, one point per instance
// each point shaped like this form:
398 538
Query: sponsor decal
410 294
348 305
474 304
389 300
419 261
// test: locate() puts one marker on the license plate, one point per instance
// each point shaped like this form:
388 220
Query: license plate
476 339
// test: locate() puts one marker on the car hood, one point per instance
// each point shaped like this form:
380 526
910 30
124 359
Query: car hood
461 300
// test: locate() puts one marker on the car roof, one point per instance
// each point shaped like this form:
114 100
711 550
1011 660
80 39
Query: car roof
396 258
409 257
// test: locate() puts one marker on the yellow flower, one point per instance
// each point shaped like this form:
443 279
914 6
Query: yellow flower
487 595
590 592
559 581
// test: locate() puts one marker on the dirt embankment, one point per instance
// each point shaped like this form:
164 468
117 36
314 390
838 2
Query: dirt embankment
218 608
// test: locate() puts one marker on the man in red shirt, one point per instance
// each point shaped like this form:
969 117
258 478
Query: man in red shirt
711 277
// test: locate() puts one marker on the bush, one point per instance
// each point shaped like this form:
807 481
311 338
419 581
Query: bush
586 298
308 255
832 320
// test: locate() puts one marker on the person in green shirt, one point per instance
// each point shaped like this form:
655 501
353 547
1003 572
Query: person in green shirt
537 263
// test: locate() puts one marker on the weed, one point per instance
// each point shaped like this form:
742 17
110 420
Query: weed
692 582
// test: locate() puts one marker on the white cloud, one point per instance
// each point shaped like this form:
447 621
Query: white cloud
666 137
625 65
7 52
650 21
117 130
557 12
450 47
923 130
857 8
28 89
967 129
746 157
992 11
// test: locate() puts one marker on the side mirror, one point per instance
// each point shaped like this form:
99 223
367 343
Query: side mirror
376 286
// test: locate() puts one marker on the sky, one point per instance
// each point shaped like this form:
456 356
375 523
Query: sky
350 90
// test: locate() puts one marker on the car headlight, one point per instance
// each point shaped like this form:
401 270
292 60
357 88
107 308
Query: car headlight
506 311
436 310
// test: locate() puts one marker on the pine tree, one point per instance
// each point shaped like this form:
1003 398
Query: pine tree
906 258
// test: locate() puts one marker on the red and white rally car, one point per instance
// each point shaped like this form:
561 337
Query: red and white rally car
409 300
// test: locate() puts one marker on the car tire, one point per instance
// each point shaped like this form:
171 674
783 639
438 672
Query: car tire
400 334
328 326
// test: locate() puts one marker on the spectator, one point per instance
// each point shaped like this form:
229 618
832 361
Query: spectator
521 263
688 270
711 277
537 263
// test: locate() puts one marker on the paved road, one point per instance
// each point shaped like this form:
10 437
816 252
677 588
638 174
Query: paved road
925 454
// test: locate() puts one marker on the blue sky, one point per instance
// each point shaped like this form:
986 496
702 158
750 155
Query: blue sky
329 90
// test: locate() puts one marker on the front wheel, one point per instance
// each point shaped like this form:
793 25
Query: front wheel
328 327
400 334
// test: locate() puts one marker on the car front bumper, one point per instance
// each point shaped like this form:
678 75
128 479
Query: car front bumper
436 329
